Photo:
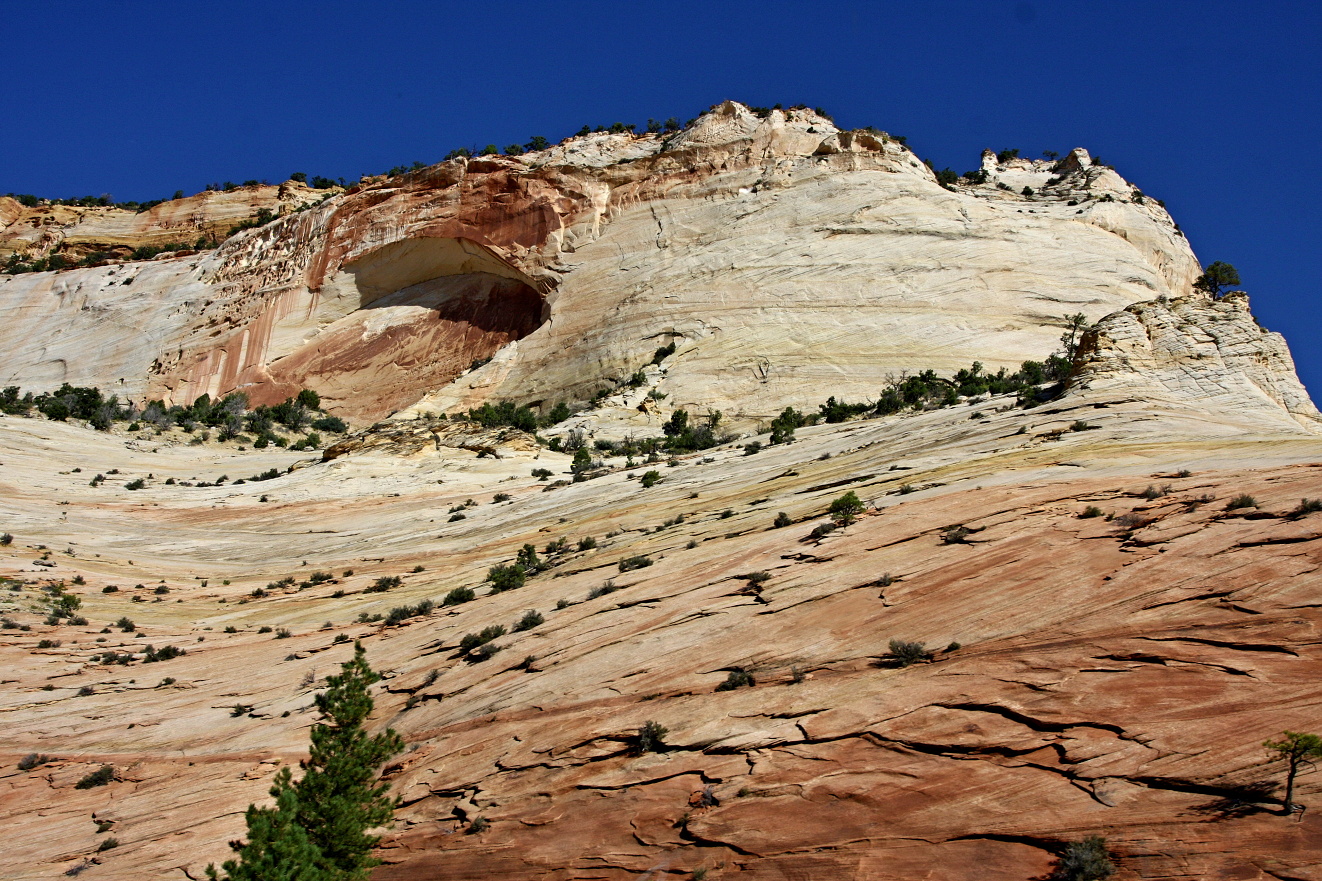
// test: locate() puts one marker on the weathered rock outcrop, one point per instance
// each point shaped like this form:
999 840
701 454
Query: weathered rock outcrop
77 231
1198 355
421 436
783 257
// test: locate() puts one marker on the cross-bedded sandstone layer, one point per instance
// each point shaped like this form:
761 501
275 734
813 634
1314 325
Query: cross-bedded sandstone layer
779 254
1115 675
1118 589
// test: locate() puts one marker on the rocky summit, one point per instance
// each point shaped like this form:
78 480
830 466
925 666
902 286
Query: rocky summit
747 499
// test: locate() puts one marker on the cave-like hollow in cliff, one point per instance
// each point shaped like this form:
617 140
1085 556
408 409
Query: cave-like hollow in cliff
417 314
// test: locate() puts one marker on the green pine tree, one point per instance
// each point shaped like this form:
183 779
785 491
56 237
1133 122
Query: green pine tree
339 797
277 848
319 827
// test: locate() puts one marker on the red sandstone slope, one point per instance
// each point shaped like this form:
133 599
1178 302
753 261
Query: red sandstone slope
1109 681
1114 677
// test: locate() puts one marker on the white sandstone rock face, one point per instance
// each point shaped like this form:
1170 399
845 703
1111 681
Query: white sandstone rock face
787 261
1198 354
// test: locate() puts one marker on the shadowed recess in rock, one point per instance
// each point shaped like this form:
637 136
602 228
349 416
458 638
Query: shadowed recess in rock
426 310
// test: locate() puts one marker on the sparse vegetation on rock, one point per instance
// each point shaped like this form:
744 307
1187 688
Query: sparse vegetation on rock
907 653
319 827
652 737
1298 751
845 510
1085 860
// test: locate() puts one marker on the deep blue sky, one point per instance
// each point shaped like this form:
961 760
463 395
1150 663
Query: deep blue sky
1211 106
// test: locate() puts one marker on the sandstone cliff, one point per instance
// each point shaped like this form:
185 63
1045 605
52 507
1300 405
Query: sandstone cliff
1117 590
782 256
1205 357
77 231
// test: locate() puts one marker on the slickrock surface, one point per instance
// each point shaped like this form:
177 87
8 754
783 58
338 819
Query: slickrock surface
1110 639
780 255
1115 675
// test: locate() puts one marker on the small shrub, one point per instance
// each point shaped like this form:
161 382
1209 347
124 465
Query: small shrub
822 529
283 633
1079 425
782 520
139 483
384 583
454 517
908 652
756 578
230 628
240 710
738 678
1085 860
652 737
108 844
1091 511
629 564
500 497
110 588
727 513
33 760
587 543
906 488
752 448
541 473
399 614
1152 493
955 535
507 577
6 539
126 624
650 479
530 619
474 641
845 510
1130 521
49 644
161 589
265 628
1306 507
528 559
163 654
86 691
100 777
608 587
458 595
478 826
1184 472
332 424
167 681
1242 501
78 579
